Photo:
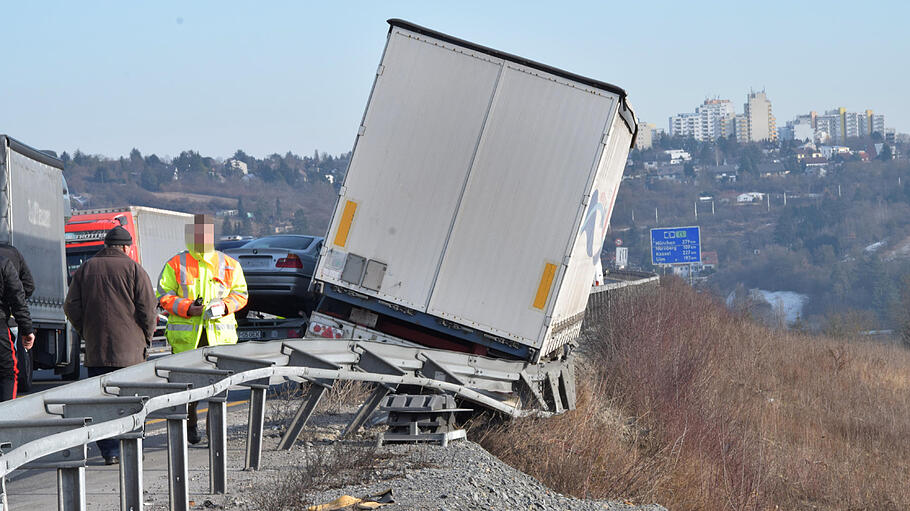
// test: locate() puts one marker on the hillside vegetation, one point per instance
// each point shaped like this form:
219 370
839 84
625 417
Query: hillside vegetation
839 237
274 194
687 404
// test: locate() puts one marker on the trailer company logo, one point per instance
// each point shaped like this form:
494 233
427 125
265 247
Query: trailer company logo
38 215
593 229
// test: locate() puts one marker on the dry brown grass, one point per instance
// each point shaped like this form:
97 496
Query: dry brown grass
684 403
343 396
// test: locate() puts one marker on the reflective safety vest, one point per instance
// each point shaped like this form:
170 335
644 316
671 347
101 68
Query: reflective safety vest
214 276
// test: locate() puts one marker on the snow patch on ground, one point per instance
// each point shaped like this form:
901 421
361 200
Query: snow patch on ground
875 246
788 303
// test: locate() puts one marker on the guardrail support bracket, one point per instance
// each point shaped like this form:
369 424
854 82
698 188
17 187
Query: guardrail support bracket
302 416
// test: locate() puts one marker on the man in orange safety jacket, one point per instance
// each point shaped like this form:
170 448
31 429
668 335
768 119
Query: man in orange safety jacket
201 289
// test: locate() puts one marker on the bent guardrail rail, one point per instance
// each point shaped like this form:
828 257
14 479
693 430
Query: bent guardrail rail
52 428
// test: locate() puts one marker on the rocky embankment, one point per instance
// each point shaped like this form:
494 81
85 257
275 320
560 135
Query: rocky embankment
320 469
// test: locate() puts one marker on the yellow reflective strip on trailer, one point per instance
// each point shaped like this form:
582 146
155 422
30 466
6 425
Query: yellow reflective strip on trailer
543 290
344 227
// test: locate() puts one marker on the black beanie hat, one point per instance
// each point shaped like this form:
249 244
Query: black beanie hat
118 236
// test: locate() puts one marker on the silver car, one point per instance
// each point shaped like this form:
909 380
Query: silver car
278 271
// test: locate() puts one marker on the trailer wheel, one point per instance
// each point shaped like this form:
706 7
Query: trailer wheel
25 366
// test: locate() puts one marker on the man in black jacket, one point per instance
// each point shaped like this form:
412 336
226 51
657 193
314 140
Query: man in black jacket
28 285
12 301
25 275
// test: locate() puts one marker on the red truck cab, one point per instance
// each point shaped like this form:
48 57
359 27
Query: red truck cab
85 236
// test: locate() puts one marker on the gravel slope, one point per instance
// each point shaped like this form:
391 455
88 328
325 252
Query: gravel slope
462 476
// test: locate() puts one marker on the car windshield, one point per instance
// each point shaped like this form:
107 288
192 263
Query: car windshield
287 242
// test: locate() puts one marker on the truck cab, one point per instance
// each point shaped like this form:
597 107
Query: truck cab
85 234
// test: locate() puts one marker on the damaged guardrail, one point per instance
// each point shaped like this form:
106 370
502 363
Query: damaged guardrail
52 428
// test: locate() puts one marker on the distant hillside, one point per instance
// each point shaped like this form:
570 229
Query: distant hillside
834 232
248 195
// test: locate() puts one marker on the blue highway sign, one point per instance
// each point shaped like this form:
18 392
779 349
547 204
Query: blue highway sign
676 245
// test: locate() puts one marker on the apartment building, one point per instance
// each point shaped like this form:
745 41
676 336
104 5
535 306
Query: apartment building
645 138
761 124
711 120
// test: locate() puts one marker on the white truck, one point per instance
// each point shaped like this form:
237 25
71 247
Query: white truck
34 205
476 203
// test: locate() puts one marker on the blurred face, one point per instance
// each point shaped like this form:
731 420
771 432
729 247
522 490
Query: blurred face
200 235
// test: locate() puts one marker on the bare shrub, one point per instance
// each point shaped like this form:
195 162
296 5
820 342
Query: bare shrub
321 467
284 402
848 324
343 395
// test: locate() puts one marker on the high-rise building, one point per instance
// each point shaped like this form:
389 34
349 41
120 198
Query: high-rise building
716 117
645 138
827 127
741 128
852 125
838 125
712 120
761 122
685 125
873 123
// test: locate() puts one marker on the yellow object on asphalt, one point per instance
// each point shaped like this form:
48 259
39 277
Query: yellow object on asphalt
349 502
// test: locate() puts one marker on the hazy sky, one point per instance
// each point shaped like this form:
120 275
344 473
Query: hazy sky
268 77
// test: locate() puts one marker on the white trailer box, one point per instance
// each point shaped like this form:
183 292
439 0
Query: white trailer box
161 235
480 189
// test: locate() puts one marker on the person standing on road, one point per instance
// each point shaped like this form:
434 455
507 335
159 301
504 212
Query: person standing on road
111 304
13 302
201 289
28 286
25 275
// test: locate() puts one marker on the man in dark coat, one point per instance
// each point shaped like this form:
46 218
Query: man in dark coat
25 275
28 286
13 302
112 305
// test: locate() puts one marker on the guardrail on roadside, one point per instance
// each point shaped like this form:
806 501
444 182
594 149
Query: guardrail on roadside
52 428
617 283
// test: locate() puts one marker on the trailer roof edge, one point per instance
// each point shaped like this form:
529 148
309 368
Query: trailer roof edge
627 113
32 153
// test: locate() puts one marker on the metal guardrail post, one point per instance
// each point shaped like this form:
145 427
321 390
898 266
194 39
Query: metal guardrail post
304 412
217 426
178 489
71 489
254 430
318 387
367 409
131 497
372 363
